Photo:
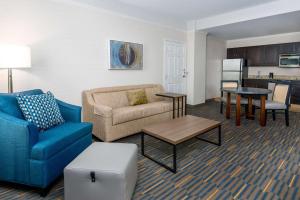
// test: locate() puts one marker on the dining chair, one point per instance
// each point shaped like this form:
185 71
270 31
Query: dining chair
278 100
229 84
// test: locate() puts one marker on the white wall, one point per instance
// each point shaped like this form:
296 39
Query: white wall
215 53
70 46
196 66
265 40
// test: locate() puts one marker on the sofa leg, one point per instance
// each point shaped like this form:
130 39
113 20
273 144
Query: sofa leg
44 191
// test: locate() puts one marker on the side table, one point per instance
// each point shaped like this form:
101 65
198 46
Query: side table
174 97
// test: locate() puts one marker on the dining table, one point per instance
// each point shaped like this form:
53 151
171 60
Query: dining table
249 93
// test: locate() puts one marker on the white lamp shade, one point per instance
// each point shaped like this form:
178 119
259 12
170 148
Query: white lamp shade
14 56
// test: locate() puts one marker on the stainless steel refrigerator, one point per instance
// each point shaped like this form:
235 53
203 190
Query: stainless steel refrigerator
234 69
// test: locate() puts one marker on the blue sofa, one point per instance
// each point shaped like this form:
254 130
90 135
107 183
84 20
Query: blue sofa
35 158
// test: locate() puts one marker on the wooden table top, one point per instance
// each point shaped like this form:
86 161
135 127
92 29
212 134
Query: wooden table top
171 95
247 90
178 130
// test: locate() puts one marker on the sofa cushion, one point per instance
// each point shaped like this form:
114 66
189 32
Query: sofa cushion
155 108
112 99
129 113
125 114
9 104
151 94
57 138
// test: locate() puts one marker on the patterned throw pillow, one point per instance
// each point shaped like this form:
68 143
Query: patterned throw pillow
41 110
137 97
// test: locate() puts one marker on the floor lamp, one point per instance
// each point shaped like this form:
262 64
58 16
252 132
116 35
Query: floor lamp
12 57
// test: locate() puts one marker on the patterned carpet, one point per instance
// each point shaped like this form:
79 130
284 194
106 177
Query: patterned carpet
253 163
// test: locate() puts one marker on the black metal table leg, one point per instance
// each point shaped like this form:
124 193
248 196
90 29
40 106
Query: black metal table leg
182 99
173 108
219 138
174 169
174 159
178 107
220 135
143 143
185 105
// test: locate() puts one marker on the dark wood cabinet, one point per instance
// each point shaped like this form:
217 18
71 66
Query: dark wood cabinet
295 96
287 48
271 57
297 47
255 56
264 55
236 53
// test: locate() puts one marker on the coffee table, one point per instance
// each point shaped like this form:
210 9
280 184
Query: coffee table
177 131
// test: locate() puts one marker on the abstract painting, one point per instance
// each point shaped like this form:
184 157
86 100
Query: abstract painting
126 55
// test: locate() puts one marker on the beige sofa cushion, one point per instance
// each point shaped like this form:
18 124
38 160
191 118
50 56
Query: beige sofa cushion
125 114
111 99
150 93
129 113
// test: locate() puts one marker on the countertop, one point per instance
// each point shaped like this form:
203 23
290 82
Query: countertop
276 77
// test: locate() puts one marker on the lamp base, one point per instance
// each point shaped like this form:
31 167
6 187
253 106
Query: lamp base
10 82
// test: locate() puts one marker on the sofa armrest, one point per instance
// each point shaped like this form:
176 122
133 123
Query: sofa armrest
69 112
18 129
17 137
103 111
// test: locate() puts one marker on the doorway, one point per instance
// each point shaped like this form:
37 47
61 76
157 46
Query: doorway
175 74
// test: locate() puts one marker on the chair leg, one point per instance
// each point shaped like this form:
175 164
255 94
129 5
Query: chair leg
274 115
287 122
221 107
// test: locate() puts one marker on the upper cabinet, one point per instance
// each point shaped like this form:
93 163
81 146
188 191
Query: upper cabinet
255 56
287 48
271 56
236 53
265 55
297 47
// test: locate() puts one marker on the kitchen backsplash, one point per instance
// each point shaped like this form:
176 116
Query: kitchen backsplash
278 72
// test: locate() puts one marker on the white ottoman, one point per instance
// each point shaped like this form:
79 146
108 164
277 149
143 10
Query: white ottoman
104 171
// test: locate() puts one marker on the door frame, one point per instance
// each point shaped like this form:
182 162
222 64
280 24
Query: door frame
184 61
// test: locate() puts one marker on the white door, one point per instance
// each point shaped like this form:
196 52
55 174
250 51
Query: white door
174 67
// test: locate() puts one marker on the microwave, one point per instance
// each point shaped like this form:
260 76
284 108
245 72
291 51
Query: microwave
289 60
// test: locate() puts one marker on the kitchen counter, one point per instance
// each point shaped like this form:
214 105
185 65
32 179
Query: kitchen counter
276 77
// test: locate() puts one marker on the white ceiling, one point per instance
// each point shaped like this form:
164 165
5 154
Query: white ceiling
172 12
284 23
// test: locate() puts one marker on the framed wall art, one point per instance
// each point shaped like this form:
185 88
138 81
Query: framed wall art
125 55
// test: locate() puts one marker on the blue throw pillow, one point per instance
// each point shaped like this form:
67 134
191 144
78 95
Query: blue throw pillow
41 110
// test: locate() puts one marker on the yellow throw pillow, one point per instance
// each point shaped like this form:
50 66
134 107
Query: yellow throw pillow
137 97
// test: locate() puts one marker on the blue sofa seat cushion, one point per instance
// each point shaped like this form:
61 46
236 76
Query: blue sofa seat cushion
9 103
58 138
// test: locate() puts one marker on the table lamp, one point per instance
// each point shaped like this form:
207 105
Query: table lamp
14 56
